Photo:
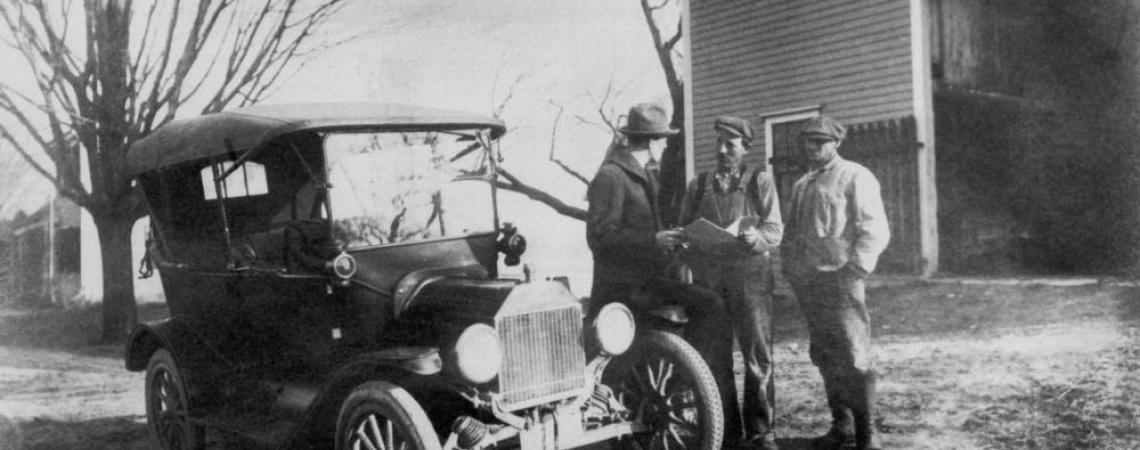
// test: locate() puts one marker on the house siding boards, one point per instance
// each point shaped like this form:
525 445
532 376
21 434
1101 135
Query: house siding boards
756 57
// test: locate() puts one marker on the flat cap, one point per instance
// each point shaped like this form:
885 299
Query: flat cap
735 126
825 126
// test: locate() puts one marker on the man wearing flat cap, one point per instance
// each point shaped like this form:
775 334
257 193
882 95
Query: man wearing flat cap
835 230
632 249
742 274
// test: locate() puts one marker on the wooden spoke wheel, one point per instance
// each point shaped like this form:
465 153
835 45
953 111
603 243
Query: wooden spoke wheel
666 386
382 416
168 405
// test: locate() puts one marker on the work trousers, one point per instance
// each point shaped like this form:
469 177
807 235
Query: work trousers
835 309
746 286
705 330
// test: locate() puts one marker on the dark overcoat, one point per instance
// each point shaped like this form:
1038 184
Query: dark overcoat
622 222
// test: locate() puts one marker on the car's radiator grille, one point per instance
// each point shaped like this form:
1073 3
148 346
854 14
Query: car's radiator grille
542 356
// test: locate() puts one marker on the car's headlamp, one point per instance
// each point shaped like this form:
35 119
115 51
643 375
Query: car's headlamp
615 328
343 266
478 353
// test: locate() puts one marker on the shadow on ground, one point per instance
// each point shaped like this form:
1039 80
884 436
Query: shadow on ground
923 308
123 432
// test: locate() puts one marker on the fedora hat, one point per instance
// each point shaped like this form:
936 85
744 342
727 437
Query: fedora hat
648 119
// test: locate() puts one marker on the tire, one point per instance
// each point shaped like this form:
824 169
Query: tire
168 405
383 412
666 385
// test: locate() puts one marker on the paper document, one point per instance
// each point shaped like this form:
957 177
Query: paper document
742 223
703 236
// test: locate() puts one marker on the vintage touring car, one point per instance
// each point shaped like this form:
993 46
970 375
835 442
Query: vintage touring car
332 274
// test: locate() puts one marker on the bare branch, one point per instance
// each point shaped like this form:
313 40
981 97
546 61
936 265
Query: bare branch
553 144
585 121
664 51
145 112
498 111
611 121
80 197
204 20
248 73
672 42
513 184
58 54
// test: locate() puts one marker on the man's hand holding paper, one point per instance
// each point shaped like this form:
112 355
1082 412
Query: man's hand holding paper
706 240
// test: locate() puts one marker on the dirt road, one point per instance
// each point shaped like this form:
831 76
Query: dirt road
964 366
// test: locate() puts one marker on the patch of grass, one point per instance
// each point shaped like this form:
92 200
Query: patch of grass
63 328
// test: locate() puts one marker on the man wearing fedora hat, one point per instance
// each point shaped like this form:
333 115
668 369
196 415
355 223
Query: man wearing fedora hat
741 275
836 229
631 248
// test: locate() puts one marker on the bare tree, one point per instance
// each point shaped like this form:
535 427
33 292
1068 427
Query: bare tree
508 181
108 72
673 161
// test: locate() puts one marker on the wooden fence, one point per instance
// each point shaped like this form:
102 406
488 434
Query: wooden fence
890 150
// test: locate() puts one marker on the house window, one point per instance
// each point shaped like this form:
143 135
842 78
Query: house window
248 180
782 144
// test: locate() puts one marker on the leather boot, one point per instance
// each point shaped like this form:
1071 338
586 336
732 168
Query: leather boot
842 432
863 390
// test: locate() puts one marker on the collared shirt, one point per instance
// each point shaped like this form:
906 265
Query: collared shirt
642 157
836 218
725 180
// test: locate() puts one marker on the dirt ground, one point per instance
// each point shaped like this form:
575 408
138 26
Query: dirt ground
1001 365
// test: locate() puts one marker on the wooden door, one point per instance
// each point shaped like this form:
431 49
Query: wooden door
787 165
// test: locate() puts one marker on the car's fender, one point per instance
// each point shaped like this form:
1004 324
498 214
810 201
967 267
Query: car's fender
196 359
148 337
409 367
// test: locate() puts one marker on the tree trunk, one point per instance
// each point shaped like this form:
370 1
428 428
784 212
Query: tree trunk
120 314
673 163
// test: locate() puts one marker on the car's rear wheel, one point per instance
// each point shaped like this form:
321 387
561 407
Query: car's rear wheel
667 387
380 415
168 405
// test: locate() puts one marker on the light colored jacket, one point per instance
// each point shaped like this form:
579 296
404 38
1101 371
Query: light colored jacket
835 218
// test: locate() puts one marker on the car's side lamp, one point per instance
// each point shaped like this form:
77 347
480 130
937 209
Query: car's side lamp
343 266
512 244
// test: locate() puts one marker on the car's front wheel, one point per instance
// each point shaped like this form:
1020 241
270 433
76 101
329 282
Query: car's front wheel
380 415
666 386
168 405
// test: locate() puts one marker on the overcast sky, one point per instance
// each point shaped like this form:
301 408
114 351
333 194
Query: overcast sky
467 55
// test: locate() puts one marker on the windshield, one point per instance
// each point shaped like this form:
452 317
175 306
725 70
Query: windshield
397 187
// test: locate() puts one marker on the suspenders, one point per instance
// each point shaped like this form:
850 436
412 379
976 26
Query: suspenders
706 180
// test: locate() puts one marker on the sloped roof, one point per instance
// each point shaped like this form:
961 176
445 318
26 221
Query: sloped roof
246 128
25 196
22 189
